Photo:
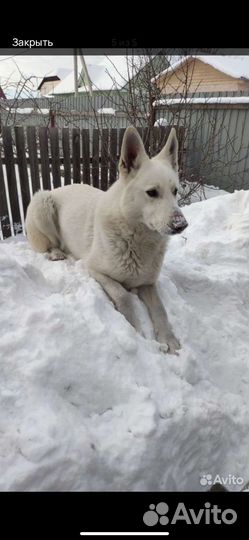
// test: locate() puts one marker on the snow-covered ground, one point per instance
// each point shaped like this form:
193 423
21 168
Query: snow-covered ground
88 404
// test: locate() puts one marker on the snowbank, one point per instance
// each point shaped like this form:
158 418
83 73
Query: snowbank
87 404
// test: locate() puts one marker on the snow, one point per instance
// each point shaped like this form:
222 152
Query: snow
27 110
207 192
41 111
234 66
67 86
61 73
109 73
207 100
161 122
88 404
107 110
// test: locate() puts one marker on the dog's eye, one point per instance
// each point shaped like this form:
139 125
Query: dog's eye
152 193
175 191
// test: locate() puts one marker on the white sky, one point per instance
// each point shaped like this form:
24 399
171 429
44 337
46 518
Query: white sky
33 66
36 67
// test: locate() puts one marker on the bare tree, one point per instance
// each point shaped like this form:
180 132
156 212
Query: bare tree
207 148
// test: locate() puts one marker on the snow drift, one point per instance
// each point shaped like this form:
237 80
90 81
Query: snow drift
88 404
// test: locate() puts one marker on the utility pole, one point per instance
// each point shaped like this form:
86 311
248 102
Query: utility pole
75 73
88 80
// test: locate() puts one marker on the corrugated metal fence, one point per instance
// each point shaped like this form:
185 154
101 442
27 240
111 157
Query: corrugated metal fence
70 111
216 138
216 135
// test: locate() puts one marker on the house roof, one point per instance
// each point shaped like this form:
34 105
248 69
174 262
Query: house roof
56 75
2 94
108 74
234 66
48 79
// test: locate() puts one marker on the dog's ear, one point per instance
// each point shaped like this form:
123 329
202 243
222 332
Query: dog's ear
170 150
132 151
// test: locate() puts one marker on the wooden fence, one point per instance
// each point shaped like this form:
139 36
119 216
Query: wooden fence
47 158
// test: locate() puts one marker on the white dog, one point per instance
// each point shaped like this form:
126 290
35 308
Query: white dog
121 234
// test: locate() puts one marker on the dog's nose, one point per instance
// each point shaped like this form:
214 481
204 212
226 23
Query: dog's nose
177 223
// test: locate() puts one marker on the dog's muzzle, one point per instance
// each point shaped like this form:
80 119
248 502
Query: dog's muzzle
177 223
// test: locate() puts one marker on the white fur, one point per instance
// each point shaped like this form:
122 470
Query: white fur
121 234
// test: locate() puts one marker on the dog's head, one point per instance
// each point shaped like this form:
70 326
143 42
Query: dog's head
151 185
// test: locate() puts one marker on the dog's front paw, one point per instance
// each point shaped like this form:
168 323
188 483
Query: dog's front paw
55 254
174 345
163 347
171 346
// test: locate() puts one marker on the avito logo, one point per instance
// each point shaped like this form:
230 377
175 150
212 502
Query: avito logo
210 514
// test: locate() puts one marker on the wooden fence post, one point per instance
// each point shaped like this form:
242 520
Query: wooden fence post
113 156
104 159
95 159
33 158
76 155
66 156
4 213
86 156
11 178
55 154
22 167
43 140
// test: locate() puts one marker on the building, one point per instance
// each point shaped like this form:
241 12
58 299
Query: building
2 94
48 84
50 81
209 97
108 74
192 74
